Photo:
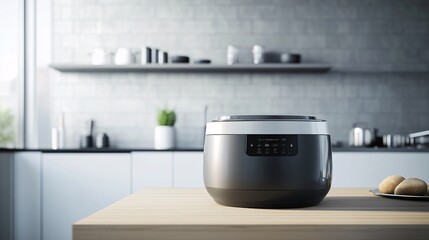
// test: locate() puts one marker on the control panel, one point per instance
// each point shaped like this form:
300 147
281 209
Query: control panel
272 145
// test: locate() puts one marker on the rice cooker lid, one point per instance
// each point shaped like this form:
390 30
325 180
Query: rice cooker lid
265 118
267 124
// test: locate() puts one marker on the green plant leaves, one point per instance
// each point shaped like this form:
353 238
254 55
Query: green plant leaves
7 133
166 117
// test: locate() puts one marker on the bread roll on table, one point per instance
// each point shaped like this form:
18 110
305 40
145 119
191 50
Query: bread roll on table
412 186
389 184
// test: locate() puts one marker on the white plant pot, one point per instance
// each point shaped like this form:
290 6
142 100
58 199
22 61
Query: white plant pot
164 137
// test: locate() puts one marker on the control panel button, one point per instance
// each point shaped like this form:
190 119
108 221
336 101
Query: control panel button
272 145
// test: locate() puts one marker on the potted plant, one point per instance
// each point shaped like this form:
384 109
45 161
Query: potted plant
164 134
7 133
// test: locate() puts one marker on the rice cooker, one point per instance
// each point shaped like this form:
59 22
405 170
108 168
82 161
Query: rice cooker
267 161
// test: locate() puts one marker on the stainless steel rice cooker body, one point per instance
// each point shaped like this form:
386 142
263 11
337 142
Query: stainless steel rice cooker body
267 161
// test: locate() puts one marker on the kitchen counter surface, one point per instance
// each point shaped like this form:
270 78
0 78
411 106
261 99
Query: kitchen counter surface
128 150
376 149
98 150
192 214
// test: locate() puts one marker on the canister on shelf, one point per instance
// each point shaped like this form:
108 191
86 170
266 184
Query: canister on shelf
231 55
162 57
258 53
146 55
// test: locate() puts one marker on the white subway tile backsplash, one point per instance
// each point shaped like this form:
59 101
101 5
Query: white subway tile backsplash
207 91
125 91
62 26
179 12
169 43
359 99
90 40
85 2
112 27
110 41
266 11
216 12
60 12
63 55
88 12
261 27
85 26
250 91
362 40
124 106
125 12
109 2
62 2
63 91
69 41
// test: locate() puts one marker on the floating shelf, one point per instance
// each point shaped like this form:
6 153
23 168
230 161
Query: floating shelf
196 68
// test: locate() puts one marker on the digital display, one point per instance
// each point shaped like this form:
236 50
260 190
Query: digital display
272 145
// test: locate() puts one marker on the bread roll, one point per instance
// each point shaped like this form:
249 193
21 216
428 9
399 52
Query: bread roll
427 192
389 184
412 186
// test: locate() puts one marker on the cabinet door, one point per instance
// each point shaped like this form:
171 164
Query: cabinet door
368 169
76 185
151 170
188 169
6 161
27 195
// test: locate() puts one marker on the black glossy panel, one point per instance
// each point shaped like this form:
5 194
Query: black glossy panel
272 145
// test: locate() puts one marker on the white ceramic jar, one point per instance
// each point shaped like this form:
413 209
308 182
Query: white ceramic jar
164 137
123 56
100 57
231 55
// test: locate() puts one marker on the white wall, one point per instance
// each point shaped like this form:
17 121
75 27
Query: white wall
370 37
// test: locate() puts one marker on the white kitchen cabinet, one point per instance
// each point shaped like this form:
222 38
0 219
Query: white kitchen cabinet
27 195
167 169
152 170
76 185
188 169
368 169
6 205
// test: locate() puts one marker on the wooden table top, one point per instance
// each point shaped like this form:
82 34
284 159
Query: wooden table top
185 213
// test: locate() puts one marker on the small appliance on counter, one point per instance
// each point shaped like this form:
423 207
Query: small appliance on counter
361 136
419 139
394 140
102 140
90 140
267 161
87 139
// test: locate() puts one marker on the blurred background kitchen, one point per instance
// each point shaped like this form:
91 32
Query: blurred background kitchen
103 75
378 52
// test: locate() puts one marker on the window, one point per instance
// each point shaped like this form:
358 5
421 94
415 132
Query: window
10 83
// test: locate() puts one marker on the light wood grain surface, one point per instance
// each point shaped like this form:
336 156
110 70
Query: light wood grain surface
192 214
